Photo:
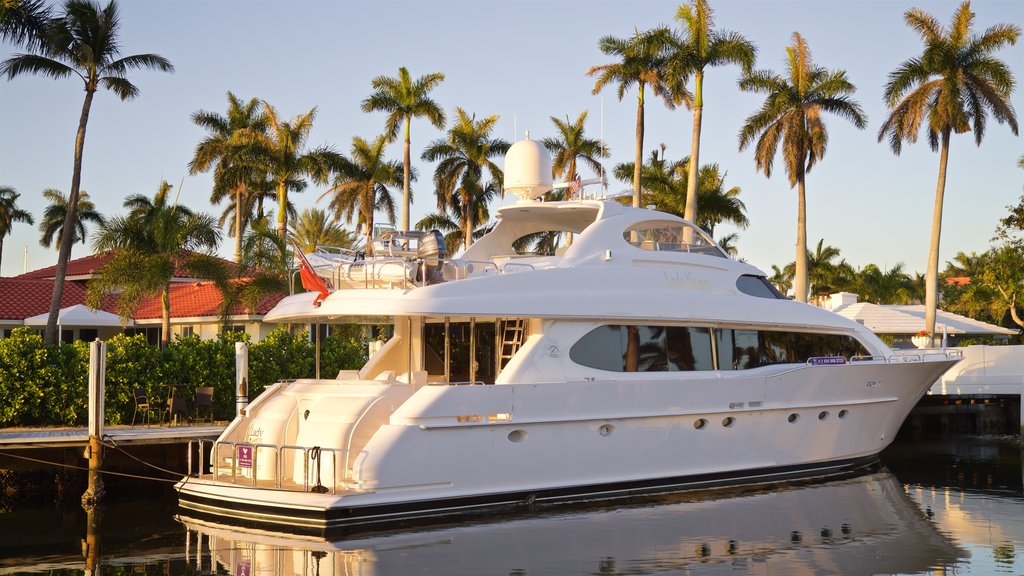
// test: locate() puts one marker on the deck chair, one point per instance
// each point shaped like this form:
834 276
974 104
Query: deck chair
203 403
175 405
142 405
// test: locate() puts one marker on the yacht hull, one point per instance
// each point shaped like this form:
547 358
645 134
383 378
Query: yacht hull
462 449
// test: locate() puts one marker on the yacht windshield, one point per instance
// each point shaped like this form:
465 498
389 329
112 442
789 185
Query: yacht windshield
670 236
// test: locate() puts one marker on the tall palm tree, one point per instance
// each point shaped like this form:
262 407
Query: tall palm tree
361 185
156 238
955 83
223 151
792 112
281 154
571 145
10 213
82 42
55 215
404 99
641 63
24 22
700 47
463 158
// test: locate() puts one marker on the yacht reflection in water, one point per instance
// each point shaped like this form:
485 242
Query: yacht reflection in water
861 525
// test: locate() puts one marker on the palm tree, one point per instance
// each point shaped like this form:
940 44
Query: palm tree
462 159
151 242
82 42
313 228
571 145
955 83
361 186
266 263
781 279
23 22
700 47
667 182
55 215
792 111
641 62
279 153
10 213
223 151
892 286
404 100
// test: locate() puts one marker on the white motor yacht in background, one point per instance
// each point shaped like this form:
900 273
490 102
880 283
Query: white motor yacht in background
639 359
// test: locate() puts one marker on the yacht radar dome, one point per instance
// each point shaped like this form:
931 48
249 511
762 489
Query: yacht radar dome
527 169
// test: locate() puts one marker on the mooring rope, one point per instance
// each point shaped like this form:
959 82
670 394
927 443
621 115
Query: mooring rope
86 468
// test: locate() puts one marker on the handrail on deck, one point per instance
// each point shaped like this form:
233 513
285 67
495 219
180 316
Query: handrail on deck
279 452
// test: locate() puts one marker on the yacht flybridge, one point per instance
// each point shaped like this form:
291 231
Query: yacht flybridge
638 359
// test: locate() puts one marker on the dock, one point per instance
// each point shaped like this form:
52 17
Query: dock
34 438
130 449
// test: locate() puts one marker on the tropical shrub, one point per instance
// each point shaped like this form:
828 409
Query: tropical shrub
48 385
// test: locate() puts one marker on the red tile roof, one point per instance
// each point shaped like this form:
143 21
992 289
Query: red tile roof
24 297
88 265
192 299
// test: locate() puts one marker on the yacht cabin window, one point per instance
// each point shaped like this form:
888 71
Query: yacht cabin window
670 236
633 348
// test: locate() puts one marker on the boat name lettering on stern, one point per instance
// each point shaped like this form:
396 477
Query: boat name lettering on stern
255 435
686 281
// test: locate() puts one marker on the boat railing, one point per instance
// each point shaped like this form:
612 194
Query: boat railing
232 469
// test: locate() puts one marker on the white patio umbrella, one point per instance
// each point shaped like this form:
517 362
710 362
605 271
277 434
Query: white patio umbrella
80 315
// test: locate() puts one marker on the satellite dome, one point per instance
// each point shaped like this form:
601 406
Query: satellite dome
527 169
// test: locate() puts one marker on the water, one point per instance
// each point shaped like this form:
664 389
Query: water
954 506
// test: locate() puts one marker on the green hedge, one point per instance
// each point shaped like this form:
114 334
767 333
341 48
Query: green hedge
48 385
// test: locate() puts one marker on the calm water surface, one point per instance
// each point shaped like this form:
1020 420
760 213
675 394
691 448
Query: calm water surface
950 506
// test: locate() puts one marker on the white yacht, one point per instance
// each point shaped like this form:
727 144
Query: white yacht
638 359
861 525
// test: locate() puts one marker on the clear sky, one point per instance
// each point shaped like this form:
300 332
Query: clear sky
525 61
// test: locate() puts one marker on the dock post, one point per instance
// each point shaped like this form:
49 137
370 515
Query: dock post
241 377
94 493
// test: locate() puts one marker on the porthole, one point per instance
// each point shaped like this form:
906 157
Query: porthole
517 435
700 424
793 418
606 430
843 413
728 421
823 415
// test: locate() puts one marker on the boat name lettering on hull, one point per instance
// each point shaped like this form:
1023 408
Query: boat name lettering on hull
686 281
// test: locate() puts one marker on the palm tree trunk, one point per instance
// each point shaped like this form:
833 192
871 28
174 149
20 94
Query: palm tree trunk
1 251
238 224
368 216
282 209
931 283
405 179
800 277
638 159
165 317
64 254
467 221
690 212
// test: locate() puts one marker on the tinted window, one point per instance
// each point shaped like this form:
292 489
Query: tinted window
757 286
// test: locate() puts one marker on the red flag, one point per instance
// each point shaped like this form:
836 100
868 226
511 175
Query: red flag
310 280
